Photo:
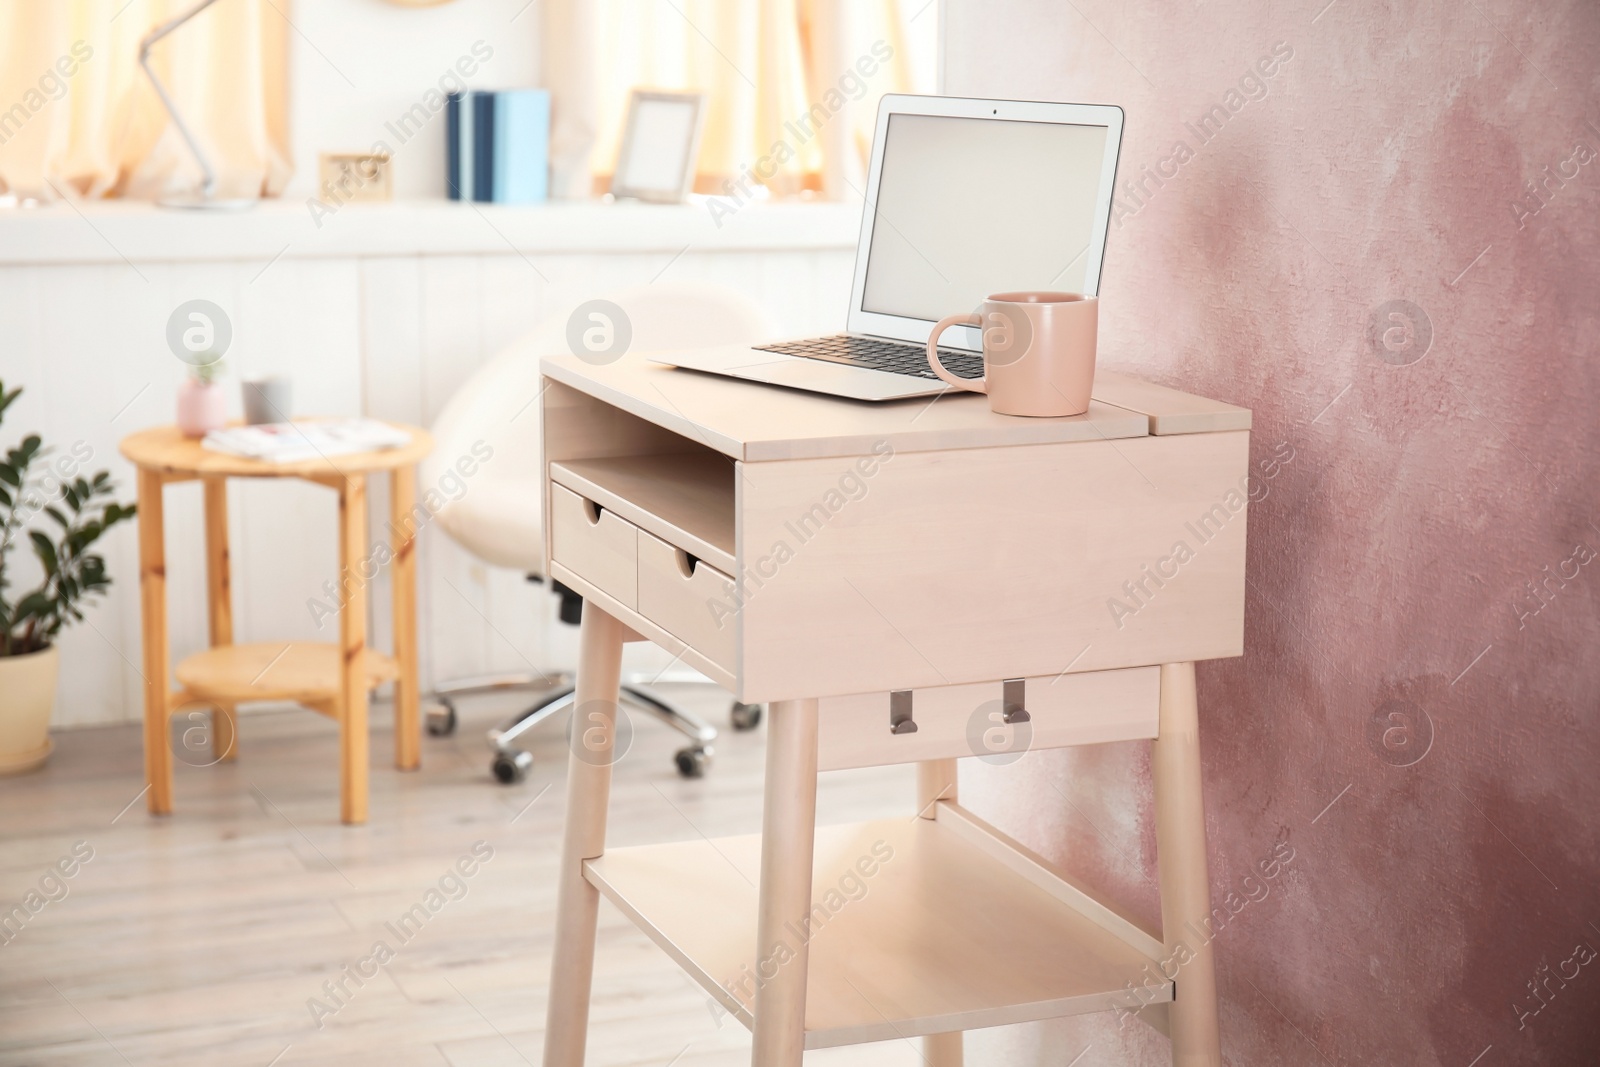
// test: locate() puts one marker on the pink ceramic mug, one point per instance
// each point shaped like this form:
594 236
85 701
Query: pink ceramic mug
1038 352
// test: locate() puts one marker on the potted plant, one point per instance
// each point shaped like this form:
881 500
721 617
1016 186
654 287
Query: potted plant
202 405
78 510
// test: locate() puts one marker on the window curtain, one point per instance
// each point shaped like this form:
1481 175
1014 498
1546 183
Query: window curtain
791 86
78 116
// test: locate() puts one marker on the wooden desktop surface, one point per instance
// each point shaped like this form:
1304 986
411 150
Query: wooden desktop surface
753 422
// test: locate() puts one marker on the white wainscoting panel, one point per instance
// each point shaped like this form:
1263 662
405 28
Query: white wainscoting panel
391 335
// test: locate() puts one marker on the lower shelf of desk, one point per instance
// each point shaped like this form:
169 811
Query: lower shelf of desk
920 926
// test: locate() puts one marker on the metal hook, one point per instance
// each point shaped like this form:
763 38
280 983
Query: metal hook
900 721
1014 700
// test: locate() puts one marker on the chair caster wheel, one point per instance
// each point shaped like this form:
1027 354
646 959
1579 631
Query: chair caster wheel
511 767
441 717
745 716
692 762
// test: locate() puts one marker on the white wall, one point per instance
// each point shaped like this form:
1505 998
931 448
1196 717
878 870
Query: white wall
356 65
387 310
381 309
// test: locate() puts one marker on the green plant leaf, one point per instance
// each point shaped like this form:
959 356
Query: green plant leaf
86 536
34 605
45 550
74 576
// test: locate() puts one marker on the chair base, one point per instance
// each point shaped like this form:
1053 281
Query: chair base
511 764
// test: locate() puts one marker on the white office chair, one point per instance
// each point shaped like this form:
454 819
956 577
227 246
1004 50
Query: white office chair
500 518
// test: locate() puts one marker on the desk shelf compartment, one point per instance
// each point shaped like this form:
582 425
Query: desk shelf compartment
686 500
654 534
919 926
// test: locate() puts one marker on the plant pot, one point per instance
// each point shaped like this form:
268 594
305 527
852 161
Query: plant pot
202 407
27 693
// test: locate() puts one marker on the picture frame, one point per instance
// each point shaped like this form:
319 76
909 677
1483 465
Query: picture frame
660 142
363 176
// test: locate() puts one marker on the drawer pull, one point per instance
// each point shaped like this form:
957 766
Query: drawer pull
591 511
686 562
900 720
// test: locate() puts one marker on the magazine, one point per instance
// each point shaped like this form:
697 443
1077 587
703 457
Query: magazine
295 442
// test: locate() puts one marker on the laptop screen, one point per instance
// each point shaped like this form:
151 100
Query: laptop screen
972 206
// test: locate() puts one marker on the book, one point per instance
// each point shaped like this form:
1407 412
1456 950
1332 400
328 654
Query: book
497 146
483 105
521 146
295 442
458 146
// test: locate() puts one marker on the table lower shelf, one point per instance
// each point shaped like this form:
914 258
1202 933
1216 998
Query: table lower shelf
919 926
304 672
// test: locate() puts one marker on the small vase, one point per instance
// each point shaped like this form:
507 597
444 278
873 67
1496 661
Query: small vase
202 407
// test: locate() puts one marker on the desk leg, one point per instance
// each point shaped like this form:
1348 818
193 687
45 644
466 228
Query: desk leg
788 831
588 792
1181 856
354 740
936 781
153 612
407 719
219 608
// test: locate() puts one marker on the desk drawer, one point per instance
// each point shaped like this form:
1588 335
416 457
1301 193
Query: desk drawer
694 603
595 544
967 720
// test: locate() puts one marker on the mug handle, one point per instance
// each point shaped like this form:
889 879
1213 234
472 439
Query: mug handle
976 385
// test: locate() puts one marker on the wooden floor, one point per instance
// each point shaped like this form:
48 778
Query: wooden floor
201 937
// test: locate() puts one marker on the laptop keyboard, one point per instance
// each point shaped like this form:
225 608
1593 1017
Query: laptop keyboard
873 354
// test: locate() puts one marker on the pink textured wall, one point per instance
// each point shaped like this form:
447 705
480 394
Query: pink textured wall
1446 454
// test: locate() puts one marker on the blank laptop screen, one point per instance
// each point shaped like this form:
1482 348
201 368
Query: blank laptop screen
971 206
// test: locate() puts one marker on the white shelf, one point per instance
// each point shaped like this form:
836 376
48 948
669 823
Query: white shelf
106 231
957 929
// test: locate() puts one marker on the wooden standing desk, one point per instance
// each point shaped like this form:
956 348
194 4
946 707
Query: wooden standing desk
332 679
900 583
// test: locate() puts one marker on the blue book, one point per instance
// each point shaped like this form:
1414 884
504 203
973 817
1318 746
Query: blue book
521 146
455 158
482 148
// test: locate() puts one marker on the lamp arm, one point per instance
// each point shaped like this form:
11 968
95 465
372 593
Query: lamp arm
209 184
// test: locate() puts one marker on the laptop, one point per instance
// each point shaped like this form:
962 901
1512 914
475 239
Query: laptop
964 198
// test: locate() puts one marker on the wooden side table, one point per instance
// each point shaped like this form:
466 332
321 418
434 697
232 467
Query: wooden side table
332 679
899 583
